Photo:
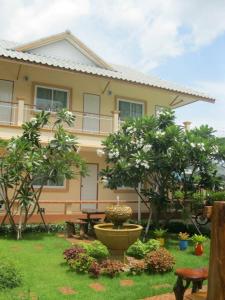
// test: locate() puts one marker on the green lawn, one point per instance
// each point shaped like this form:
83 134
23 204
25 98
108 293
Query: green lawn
39 256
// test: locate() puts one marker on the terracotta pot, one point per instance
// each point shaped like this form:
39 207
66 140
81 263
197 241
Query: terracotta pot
207 211
199 249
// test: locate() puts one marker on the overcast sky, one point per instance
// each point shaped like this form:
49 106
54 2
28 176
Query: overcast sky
178 40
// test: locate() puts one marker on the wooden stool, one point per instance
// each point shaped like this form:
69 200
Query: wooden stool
70 228
196 276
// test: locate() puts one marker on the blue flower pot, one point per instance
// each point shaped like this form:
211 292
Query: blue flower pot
183 245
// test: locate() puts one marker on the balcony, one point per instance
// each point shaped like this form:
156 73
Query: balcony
15 114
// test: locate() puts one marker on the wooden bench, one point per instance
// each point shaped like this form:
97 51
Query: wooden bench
71 231
194 276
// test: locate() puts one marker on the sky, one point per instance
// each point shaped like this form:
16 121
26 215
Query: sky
177 40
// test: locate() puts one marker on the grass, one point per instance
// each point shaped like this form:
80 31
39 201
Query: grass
39 256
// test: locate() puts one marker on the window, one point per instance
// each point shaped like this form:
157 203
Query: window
53 99
58 183
130 109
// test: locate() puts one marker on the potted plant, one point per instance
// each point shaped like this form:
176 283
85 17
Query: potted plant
160 235
198 240
183 243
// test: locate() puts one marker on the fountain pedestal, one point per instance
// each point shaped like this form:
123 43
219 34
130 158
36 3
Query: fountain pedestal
116 236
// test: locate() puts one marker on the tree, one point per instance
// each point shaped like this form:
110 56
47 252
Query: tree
161 156
26 161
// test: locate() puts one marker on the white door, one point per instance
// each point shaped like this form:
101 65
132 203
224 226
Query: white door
89 187
6 90
91 113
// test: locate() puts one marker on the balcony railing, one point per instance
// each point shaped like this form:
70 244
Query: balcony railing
8 113
19 113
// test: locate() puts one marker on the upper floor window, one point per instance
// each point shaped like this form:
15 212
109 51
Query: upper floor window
130 109
53 99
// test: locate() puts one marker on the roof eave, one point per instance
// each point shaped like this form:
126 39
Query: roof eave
21 60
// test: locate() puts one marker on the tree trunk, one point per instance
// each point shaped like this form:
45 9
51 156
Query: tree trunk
216 282
19 228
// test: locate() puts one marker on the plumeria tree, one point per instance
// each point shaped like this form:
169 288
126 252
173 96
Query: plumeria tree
163 157
26 161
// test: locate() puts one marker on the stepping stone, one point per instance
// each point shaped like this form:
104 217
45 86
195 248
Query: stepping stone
168 296
39 247
160 286
98 287
126 282
65 290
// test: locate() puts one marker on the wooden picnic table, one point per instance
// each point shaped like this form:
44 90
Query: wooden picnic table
92 215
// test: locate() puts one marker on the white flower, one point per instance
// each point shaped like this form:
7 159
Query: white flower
104 180
33 121
68 113
145 164
113 154
215 149
100 152
159 133
147 148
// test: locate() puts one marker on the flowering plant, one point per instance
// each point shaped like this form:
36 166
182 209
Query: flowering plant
161 157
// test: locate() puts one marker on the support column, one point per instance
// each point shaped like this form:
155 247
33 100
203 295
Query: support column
20 116
115 120
187 125
216 281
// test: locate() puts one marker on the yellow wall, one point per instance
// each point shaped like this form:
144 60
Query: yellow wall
79 84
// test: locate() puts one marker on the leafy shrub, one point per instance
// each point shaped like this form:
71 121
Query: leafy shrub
96 250
137 267
10 277
199 238
34 228
152 245
73 253
95 269
112 268
183 236
139 249
159 233
159 261
82 263
217 196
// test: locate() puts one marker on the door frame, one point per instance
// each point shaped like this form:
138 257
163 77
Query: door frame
97 164
99 107
13 86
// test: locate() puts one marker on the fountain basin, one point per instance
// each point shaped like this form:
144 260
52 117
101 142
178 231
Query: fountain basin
117 240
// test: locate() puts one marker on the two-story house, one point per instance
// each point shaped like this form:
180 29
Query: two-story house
61 72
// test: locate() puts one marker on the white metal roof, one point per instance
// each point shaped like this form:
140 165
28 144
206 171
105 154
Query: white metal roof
7 50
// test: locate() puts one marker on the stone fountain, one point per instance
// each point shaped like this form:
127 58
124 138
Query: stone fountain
118 235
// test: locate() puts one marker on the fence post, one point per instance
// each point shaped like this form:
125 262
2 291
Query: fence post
20 118
115 120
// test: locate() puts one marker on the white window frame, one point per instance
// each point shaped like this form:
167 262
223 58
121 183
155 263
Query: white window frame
51 88
131 101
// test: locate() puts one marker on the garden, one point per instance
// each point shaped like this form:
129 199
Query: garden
42 272
170 169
